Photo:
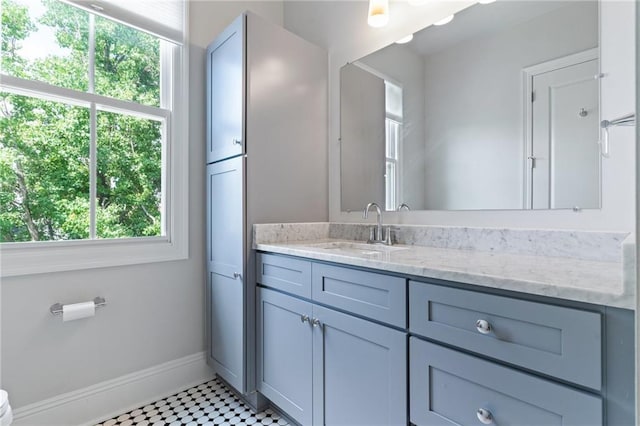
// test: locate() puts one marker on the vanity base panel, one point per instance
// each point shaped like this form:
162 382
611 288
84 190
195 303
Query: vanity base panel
619 368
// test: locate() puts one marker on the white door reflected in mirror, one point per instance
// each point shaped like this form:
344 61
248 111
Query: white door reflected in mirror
565 166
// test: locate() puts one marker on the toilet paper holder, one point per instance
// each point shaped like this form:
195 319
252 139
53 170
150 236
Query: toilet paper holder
56 308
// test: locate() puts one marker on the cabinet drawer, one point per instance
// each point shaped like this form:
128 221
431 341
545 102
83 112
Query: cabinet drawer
561 342
284 273
450 388
377 296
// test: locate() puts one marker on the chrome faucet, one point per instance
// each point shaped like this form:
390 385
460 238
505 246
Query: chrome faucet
376 233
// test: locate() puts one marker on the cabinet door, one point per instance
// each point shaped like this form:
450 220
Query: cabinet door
225 260
225 93
285 353
360 371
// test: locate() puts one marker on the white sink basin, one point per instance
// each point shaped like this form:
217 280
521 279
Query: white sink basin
357 248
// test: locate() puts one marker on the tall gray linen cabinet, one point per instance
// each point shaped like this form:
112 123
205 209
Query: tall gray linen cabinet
266 153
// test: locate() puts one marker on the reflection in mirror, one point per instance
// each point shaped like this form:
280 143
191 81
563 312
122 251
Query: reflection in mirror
498 109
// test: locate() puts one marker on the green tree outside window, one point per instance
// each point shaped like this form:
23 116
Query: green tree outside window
45 143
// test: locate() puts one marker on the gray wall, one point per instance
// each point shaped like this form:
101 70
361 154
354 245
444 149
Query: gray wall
155 312
474 136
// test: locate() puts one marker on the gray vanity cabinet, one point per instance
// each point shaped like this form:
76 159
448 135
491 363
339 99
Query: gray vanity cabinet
468 357
322 366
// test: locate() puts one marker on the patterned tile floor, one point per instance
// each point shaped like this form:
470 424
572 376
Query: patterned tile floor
211 403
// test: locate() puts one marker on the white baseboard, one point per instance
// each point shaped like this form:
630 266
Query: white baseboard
99 402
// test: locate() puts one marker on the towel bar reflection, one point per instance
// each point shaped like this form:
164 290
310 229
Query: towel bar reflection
56 308
626 120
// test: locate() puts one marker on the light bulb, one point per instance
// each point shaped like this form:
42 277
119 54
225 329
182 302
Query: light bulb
444 21
406 39
378 13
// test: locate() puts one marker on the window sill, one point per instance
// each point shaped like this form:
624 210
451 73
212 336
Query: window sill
38 258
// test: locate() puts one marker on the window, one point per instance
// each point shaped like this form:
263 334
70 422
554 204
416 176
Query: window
393 144
92 135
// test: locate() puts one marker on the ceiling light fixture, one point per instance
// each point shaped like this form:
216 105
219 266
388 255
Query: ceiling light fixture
406 39
378 13
444 21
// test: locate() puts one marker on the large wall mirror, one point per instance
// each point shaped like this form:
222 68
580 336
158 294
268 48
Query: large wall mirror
498 109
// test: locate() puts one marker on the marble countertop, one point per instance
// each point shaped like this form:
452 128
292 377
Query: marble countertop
584 280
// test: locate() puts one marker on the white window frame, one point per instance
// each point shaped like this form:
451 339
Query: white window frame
397 162
26 258
392 204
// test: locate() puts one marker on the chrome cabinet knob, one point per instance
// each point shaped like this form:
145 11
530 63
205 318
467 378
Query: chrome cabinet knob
483 326
315 322
237 275
304 318
484 416
237 141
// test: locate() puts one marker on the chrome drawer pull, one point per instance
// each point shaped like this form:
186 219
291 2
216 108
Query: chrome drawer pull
304 318
484 416
315 322
237 275
237 142
483 326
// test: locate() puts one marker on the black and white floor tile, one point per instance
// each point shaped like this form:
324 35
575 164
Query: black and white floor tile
211 403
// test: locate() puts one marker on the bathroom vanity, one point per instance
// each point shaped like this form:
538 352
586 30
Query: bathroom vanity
350 333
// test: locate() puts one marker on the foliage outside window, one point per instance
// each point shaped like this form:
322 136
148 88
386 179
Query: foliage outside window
83 125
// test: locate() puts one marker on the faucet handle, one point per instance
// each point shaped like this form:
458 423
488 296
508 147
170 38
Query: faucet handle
389 233
372 234
388 240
